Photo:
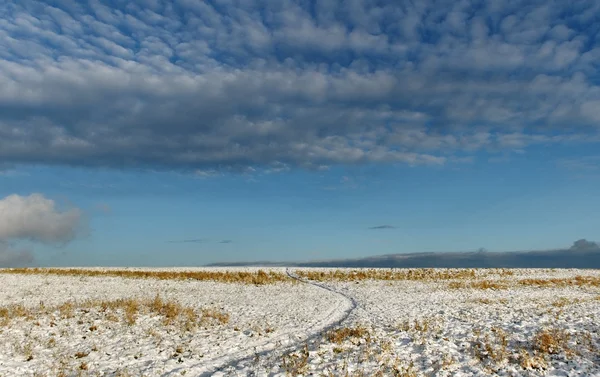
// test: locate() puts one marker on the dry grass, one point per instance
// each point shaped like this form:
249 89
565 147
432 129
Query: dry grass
14 311
552 341
80 355
577 281
129 309
479 284
213 315
527 360
488 301
564 301
492 347
424 325
296 363
93 315
418 274
360 351
259 277
342 334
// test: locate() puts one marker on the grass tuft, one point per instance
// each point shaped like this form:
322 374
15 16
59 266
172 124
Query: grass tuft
342 334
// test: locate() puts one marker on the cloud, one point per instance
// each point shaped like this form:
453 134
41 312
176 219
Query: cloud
195 240
582 244
36 218
580 164
198 240
383 227
191 86
10 257
10 173
206 173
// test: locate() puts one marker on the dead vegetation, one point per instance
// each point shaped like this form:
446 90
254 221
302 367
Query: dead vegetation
259 277
494 279
128 309
361 351
417 274
296 363
92 318
343 334
494 348
564 301
577 281
488 301
552 341
479 284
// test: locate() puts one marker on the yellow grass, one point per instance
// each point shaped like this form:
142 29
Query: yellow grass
551 341
478 284
259 277
577 281
296 363
170 311
340 335
420 274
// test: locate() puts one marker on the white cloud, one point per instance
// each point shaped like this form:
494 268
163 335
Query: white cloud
36 218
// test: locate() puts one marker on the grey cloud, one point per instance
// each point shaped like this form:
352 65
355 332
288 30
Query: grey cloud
235 87
34 218
194 240
583 244
383 227
37 219
11 257
198 240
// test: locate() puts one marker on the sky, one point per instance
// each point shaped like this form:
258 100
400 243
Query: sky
186 132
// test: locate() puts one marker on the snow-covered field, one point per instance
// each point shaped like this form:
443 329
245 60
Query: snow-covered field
493 323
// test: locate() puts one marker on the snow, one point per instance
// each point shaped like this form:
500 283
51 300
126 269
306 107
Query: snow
421 328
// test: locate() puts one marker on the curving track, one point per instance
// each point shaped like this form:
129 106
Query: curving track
285 342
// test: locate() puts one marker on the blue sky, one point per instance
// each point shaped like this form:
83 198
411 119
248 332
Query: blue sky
187 132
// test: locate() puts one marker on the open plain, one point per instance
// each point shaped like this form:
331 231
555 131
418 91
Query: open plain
300 322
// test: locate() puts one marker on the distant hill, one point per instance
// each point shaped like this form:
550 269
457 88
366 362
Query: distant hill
583 254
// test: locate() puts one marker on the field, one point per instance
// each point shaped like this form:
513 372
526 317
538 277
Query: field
292 322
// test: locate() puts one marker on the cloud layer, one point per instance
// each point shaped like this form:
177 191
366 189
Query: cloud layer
207 86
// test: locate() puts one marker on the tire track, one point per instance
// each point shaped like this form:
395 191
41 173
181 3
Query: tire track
276 346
